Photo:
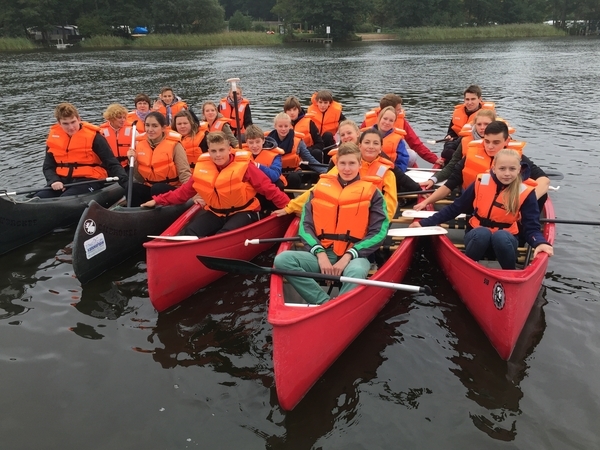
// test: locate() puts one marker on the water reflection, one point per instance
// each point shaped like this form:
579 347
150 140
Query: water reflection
492 383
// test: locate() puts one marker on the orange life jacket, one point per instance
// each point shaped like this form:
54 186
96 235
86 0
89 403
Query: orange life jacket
140 126
119 142
228 112
192 144
73 154
291 160
219 123
224 191
477 160
341 214
489 208
266 155
327 121
371 119
303 126
389 143
466 132
460 117
373 171
158 165
175 108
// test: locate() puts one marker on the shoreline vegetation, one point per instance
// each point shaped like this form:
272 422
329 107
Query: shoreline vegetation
183 41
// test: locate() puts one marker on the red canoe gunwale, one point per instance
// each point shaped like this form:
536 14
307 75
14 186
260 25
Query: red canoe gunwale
499 300
307 340
172 267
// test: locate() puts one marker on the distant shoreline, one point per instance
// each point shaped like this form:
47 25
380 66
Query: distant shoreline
197 41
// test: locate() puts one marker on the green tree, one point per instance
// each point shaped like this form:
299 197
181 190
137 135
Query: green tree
341 15
240 22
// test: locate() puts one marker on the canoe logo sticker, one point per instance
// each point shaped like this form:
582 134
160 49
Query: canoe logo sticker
498 295
89 226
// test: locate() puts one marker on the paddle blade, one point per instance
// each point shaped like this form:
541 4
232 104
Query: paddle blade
232 265
417 231
424 214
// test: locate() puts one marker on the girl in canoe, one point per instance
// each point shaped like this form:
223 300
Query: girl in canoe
169 104
216 122
337 245
117 132
142 109
161 163
497 200
193 136
393 138
228 184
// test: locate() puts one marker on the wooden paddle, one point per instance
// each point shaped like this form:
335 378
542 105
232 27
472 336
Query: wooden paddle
394 232
238 130
49 188
131 164
246 267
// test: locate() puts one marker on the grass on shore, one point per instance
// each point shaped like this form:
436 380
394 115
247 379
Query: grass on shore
104 42
487 32
205 40
16 44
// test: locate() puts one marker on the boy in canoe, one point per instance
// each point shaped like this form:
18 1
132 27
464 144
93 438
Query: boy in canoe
327 115
76 151
303 123
117 132
461 115
227 184
343 222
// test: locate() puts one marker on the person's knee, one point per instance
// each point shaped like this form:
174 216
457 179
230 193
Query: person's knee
284 260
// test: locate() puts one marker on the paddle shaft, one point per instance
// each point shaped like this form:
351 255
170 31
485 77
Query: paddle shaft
131 164
246 267
49 188
431 141
570 222
238 130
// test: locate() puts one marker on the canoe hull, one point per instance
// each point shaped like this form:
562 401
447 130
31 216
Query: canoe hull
307 340
173 270
499 300
24 222
105 237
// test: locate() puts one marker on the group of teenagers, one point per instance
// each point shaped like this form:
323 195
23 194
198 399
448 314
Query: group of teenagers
237 173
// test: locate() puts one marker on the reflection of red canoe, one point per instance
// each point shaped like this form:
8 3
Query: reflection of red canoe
173 270
307 340
500 300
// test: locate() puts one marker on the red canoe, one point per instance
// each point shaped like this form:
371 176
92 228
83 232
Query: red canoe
500 300
307 340
173 270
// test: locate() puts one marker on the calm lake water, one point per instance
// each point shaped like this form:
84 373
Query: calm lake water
96 367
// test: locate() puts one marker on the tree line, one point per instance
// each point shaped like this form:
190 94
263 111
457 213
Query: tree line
95 17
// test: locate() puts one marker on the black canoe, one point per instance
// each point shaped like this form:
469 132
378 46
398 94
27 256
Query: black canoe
105 238
25 220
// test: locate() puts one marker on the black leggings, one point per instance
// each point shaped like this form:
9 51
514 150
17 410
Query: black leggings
206 223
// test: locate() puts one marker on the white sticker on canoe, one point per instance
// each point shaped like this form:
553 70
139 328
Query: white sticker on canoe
94 246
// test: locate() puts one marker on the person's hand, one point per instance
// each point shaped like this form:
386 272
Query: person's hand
57 186
420 206
340 265
156 105
440 162
427 184
448 138
199 200
543 248
130 153
279 212
324 263
414 225
256 164
149 204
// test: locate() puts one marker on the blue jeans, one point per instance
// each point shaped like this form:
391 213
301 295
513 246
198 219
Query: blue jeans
501 244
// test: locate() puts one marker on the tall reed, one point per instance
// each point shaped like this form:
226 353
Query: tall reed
16 44
486 32
104 42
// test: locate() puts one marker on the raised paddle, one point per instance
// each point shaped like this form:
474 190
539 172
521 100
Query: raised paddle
394 232
245 267
238 130
49 188
131 164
